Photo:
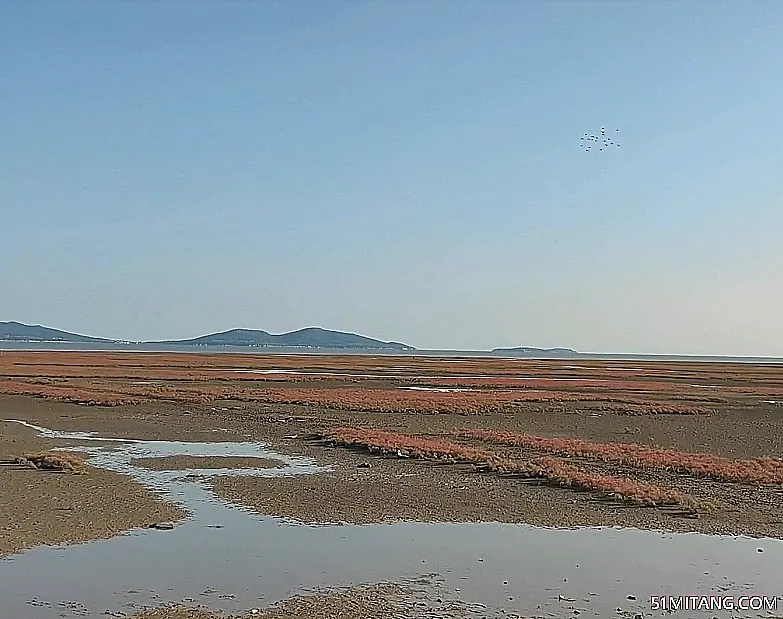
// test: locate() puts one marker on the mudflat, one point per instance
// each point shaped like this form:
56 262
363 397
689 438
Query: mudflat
686 447
385 601
705 418
51 507
175 463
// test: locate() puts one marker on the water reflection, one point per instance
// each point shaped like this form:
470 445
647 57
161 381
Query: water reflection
230 559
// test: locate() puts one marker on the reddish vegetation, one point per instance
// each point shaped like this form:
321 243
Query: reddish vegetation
112 393
658 408
548 468
66 394
757 470
401 400
524 382
411 446
650 389
628 490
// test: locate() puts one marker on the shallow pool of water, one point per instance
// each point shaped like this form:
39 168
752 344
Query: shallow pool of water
230 559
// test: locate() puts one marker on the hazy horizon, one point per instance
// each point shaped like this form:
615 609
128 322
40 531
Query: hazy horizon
209 348
408 171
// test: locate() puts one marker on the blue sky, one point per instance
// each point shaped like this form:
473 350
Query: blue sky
407 170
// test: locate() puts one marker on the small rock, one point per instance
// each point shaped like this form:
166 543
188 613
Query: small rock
363 465
163 526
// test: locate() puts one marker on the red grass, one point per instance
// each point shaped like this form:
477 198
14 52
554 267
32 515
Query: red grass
74 395
349 398
113 392
756 470
655 388
628 490
634 408
551 469
411 446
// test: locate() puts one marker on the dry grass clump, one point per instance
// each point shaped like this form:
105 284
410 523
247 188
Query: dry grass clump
550 469
53 461
755 470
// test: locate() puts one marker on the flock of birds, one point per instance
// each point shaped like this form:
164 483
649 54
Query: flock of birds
601 142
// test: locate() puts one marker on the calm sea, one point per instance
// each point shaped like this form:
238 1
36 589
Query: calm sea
250 350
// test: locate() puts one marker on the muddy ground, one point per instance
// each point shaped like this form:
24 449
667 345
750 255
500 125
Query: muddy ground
178 463
50 507
41 507
44 507
384 601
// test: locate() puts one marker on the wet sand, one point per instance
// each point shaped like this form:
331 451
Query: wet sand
392 489
40 507
178 463
49 507
384 601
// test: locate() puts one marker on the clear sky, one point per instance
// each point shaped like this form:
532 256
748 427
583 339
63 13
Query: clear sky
411 171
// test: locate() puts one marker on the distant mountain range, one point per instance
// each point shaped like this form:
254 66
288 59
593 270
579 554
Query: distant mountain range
312 337
21 336
18 332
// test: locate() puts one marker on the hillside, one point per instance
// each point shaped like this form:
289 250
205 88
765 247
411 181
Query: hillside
311 337
18 332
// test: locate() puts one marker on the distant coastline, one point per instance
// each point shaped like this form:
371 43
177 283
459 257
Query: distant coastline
312 341
307 338
277 350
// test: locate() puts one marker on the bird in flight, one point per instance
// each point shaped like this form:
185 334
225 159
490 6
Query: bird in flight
602 141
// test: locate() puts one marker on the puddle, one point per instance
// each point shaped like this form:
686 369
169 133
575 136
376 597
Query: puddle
301 373
230 559
438 389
